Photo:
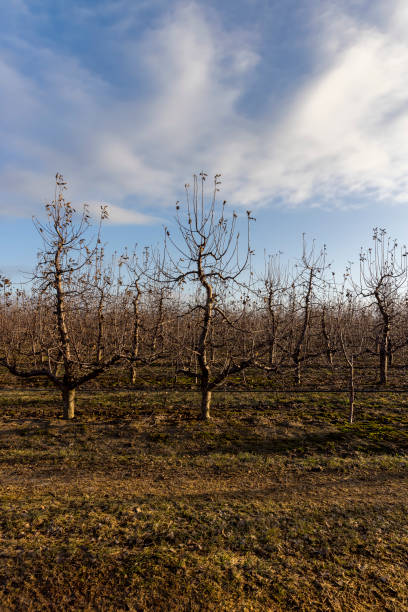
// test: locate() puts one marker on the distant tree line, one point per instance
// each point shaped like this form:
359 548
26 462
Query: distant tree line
196 310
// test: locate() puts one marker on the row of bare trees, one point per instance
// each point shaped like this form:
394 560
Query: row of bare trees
195 309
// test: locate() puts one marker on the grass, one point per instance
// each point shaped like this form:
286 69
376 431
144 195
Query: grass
276 504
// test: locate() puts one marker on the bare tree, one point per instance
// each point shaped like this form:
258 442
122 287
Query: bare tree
352 332
274 293
66 330
309 278
383 272
136 288
205 255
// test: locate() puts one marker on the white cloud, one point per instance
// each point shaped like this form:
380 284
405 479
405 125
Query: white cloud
343 134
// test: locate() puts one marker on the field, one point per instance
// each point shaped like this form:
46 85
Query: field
275 504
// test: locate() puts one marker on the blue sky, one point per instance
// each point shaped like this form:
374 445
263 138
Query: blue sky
302 106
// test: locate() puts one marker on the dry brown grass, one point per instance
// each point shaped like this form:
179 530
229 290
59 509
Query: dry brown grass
276 504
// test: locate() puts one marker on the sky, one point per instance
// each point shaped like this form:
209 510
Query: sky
301 105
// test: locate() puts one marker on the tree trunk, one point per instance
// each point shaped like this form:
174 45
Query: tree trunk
205 404
329 352
351 396
68 396
384 347
271 352
132 373
297 373
384 363
390 354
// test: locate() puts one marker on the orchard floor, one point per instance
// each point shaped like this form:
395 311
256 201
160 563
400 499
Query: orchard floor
275 504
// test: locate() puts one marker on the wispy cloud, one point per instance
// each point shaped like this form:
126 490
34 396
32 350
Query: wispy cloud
341 136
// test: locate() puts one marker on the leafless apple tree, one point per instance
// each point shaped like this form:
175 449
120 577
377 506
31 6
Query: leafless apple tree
64 326
204 256
383 273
